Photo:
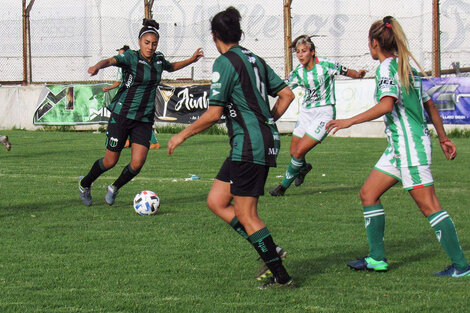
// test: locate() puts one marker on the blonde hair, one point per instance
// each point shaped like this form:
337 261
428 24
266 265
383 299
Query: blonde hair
391 38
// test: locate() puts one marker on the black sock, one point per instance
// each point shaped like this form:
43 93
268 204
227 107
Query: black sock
96 170
235 223
263 242
127 174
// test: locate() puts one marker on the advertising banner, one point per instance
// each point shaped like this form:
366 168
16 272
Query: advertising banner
452 98
73 105
181 104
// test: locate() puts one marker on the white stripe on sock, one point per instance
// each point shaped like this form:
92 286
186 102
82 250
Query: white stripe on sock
374 211
438 217
435 222
372 215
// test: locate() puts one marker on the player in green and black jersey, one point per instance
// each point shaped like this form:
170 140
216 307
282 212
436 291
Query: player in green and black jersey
241 83
153 141
132 109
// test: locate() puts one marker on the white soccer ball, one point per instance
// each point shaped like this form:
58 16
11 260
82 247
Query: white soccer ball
146 203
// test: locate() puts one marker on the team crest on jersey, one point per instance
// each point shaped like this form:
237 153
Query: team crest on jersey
215 77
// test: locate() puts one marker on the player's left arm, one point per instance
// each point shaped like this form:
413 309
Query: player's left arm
199 53
383 107
447 146
209 118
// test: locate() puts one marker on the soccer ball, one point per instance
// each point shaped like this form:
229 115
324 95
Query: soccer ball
146 203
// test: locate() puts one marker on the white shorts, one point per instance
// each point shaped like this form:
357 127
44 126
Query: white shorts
312 122
412 177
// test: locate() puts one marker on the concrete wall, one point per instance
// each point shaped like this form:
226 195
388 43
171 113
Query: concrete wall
18 104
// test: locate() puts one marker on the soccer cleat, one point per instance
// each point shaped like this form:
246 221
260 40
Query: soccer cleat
452 271
127 144
300 179
263 270
4 140
155 145
111 195
278 191
368 263
85 193
272 283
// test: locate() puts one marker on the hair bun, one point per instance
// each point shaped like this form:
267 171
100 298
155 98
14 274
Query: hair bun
387 19
233 13
148 22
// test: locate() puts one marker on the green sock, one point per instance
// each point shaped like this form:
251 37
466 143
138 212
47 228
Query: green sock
304 165
447 236
239 228
292 172
154 138
374 216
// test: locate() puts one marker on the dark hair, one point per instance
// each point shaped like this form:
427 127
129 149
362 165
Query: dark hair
225 25
125 48
303 39
150 26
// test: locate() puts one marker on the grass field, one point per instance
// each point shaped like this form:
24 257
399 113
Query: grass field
57 255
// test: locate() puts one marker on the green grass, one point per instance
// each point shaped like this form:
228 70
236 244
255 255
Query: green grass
57 255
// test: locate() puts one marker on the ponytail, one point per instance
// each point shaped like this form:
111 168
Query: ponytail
391 38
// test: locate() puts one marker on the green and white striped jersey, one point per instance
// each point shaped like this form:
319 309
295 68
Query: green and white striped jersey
318 83
405 127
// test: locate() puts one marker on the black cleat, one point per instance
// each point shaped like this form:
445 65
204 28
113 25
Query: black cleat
300 179
271 283
278 191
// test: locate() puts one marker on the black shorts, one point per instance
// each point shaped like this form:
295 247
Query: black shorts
120 127
246 179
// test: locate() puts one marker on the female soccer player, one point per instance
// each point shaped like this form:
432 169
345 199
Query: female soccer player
400 97
132 109
154 144
241 82
317 77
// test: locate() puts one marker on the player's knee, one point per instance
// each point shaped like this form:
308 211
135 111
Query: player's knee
367 197
110 163
136 165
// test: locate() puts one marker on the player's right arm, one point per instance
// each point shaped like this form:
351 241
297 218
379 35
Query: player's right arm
93 70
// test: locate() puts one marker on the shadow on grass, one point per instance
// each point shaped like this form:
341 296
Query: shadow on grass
411 249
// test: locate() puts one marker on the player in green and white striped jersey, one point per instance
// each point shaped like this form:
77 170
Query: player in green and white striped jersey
401 100
316 76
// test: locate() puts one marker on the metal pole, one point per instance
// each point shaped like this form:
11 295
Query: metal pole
287 38
27 69
148 8
436 42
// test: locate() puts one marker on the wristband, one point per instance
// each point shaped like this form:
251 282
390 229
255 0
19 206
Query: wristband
444 141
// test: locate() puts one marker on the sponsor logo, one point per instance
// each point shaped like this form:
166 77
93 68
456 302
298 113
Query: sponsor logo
113 142
215 77
142 62
439 235
274 151
289 176
367 222
159 62
216 85
386 82
129 81
190 102
215 92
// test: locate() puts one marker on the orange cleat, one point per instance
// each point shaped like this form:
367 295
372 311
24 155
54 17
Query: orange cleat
127 145
155 146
